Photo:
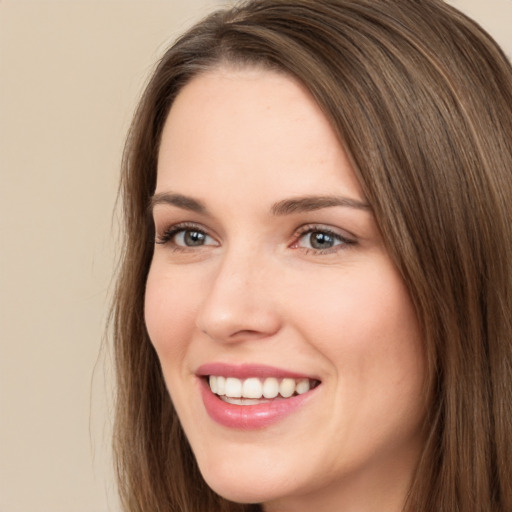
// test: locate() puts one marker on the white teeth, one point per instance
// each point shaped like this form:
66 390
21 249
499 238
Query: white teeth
240 401
233 387
252 388
270 388
221 385
287 387
302 386
255 388
213 383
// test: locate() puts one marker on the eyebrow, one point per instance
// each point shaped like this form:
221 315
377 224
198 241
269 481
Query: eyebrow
284 207
312 203
179 200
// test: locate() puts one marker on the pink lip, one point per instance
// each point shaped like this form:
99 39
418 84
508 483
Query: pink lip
249 417
244 371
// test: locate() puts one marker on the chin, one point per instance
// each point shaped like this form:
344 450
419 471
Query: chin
247 482
247 491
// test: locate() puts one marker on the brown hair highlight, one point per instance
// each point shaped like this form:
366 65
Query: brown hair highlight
421 99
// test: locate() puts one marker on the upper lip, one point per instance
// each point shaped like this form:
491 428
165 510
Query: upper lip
244 371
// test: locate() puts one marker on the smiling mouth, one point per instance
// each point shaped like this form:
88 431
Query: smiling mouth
255 390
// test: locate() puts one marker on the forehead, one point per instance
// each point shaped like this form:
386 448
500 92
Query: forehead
239 128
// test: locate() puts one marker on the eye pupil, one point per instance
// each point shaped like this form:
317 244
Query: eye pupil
194 238
321 240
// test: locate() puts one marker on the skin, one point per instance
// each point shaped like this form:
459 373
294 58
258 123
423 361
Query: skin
240 140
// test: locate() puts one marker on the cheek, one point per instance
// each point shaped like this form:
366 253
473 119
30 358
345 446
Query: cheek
367 329
170 308
369 303
366 326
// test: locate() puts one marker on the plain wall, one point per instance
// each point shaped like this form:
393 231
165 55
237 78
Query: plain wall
70 73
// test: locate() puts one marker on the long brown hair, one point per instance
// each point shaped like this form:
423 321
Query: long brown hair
421 99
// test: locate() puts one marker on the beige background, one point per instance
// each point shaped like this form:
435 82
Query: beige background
70 73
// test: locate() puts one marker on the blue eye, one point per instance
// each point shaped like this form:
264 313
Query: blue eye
181 236
321 240
191 238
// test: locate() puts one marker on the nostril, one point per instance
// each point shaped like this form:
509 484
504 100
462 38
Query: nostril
229 314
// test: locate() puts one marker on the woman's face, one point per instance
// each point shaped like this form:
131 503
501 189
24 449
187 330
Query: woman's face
269 274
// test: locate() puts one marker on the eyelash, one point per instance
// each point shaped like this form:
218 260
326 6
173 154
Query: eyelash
167 238
315 228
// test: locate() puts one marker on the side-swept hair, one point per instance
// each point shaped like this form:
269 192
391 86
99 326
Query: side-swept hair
421 99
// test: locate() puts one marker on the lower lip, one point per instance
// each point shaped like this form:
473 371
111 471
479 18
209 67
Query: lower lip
250 417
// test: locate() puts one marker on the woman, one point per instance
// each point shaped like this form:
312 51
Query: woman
314 306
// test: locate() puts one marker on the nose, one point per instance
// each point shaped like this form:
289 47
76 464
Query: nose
240 304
